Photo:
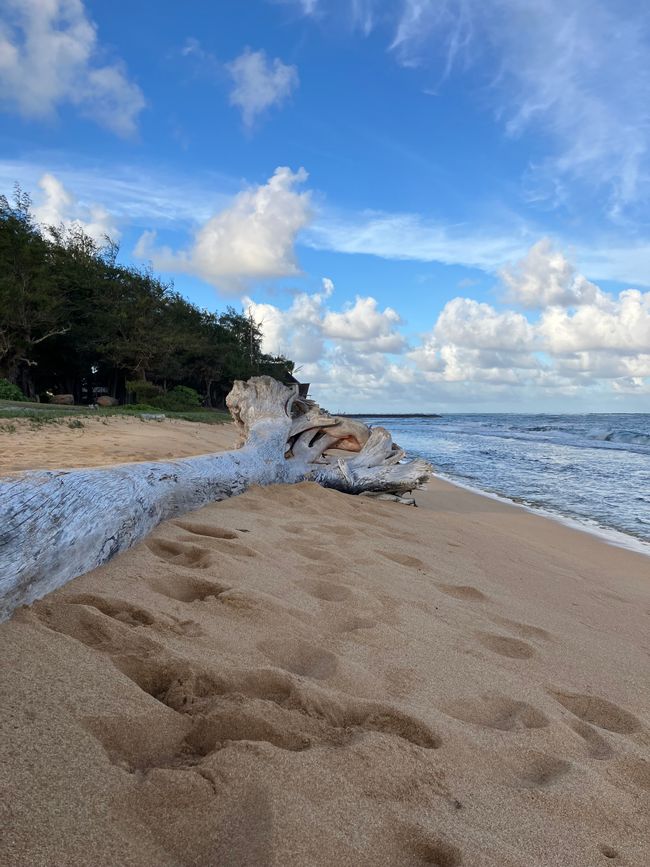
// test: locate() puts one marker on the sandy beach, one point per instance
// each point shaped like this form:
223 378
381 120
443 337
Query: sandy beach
106 440
300 677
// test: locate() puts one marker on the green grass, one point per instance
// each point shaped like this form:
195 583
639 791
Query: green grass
39 414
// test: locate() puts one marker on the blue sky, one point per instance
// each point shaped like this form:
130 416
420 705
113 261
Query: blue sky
438 205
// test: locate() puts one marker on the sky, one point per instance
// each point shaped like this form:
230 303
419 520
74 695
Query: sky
429 205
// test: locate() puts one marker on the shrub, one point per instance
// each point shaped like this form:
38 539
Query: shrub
179 399
144 391
9 391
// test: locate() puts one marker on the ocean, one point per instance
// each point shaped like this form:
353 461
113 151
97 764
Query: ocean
590 469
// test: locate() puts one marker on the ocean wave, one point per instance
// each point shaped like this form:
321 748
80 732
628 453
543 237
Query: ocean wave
631 437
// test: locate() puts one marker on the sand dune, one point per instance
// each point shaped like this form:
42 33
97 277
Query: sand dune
298 677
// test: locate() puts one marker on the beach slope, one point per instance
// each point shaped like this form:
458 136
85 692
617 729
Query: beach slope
295 676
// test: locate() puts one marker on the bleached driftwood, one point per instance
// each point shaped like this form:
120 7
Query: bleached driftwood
55 525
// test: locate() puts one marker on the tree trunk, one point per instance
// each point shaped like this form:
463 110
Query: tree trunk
57 524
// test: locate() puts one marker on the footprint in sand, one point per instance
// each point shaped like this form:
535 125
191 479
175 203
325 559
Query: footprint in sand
205 530
436 851
227 546
327 591
131 615
539 770
463 591
403 559
299 657
190 556
599 712
123 612
312 552
597 746
524 629
497 712
88 625
186 589
352 624
513 648
262 705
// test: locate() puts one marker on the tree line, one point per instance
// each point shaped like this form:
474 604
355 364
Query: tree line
74 320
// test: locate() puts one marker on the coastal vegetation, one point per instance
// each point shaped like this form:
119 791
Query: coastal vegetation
74 320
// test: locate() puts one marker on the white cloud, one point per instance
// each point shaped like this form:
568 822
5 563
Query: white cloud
365 324
135 194
470 323
252 239
403 236
545 277
49 56
473 342
409 236
473 353
620 325
57 206
259 83
576 76
311 332
580 76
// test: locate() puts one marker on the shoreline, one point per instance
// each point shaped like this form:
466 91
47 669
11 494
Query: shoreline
613 537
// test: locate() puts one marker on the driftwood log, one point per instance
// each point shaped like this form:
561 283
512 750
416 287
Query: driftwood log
58 524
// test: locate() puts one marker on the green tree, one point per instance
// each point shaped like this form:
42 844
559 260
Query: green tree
32 309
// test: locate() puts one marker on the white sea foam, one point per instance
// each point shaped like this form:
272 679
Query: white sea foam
590 469
612 537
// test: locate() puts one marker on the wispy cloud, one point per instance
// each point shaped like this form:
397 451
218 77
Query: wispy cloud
134 194
49 57
57 206
576 75
409 236
259 83
403 236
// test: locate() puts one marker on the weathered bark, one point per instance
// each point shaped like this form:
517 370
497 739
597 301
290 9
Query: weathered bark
55 525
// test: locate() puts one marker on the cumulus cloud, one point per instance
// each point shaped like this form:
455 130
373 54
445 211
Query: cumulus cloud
49 57
56 206
309 331
597 337
259 83
618 325
363 323
473 342
544 277
473 352
470 323
252 239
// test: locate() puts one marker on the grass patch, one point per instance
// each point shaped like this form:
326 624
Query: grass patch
39 414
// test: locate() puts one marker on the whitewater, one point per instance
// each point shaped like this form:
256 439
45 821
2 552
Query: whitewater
591 469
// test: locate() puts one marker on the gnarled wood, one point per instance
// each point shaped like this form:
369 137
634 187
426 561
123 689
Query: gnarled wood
55 525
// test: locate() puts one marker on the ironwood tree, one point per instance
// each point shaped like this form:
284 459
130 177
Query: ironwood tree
75 320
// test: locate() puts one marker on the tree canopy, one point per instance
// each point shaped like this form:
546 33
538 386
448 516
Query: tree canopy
74 320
